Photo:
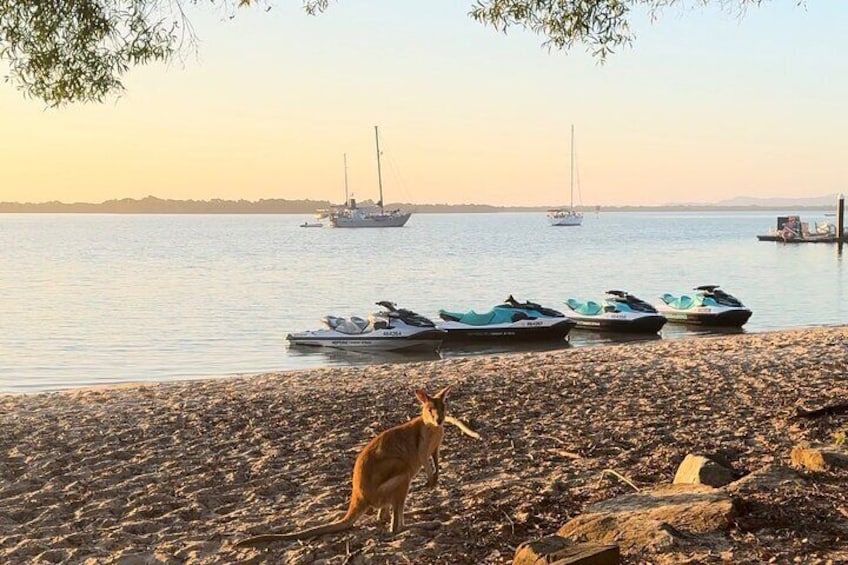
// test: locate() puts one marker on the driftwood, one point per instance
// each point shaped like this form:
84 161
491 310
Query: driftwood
838 408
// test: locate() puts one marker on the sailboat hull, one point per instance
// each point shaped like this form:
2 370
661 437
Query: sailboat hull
565 220
371 221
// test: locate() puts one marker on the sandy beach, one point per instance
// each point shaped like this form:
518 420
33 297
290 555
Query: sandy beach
175 473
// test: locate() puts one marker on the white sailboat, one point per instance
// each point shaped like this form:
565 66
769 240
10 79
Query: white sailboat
569 216
351 216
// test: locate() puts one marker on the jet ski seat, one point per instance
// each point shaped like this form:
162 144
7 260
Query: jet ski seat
682 303
495 316
588 308
353 325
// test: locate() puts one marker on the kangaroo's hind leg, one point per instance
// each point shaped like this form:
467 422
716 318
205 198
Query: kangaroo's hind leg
397 517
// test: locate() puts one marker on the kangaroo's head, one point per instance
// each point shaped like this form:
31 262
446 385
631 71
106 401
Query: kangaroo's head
433 407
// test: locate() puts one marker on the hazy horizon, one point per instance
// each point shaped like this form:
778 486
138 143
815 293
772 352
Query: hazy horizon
736 201
722 106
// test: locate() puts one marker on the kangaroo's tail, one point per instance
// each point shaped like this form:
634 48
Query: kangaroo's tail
354 512
462 427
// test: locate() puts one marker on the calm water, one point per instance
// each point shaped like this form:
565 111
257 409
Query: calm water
95 299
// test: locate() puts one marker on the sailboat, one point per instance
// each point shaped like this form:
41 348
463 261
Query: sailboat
570 216
351 216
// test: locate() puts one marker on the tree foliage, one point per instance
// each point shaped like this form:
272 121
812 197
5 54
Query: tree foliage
62 51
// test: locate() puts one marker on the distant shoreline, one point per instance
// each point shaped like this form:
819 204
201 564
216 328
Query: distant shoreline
152 205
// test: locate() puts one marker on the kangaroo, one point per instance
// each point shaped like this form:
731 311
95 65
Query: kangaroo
385 468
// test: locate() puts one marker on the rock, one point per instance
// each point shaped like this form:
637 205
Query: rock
769 478
819 457
556 550
700 470
653 520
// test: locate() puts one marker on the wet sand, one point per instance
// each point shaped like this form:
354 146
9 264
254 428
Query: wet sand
174 473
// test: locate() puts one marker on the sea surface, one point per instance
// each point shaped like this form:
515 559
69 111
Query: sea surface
103 299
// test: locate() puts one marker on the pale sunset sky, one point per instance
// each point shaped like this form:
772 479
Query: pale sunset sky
704 106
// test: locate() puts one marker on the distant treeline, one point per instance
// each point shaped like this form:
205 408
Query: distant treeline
153 205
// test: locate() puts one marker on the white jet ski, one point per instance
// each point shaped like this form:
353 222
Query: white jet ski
619 312
393 329
708 306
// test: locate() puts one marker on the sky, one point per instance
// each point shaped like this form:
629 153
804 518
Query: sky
704 106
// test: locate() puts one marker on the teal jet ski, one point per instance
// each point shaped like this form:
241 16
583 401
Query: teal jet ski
510 321
707 306
619 311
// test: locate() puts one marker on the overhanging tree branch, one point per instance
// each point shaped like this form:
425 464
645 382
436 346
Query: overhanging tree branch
63 51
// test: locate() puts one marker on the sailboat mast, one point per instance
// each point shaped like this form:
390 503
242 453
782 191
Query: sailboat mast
347 195
379 171
572 167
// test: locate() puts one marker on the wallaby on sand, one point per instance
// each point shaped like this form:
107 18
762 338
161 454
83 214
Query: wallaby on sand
385 468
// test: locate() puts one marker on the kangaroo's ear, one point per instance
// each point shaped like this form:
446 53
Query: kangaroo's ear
422 395
444 392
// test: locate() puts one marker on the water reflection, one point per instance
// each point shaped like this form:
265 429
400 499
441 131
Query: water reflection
473 349
676 331
589 337
338 357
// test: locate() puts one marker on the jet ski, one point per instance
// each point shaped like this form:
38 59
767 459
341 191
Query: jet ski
510 321
708 306
619 312
392 329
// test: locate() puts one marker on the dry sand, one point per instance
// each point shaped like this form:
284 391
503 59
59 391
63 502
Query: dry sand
174 473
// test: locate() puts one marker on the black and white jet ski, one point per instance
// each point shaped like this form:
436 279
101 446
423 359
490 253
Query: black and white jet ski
510 321
708 306
392 329
619 312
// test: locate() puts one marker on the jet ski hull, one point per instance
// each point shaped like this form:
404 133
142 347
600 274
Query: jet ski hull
707 316
381 340
620 323
538 329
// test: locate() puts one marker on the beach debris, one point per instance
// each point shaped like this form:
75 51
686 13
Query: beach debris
620 477
828 410
557 550
653 520
819 456
462 427
701 470
767 479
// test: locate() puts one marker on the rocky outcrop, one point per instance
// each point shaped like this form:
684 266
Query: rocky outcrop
653 520
819 457
700 470
556 550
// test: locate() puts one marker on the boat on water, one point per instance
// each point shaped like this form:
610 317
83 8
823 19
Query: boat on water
790 229
567 216
391 329
312 225
619 311
707 306
508 322
352 216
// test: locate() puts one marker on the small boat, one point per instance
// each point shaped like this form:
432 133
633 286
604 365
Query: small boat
392 329
351 216
312 225
567 216
619 312
510 321
708 306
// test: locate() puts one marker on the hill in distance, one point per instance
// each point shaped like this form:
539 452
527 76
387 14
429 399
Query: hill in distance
154 205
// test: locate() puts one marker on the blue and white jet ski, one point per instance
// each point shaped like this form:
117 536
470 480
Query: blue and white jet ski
619 312
510 321
393 329
708 306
